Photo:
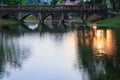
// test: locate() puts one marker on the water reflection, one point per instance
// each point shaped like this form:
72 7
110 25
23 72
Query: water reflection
97 47
31 26
104 43
12 54
59 52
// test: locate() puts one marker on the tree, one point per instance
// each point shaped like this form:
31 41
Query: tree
114 3
53 2
61 1
96 1
15 2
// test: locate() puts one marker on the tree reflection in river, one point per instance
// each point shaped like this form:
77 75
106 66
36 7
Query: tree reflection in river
11 54
97 48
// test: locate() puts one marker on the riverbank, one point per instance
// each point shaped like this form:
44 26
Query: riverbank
77 20
11 20
8 22
112 22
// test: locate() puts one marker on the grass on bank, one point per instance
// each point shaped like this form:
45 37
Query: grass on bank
8 21
77 20
113 22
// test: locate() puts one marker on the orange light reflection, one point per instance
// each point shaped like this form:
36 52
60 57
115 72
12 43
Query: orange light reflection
104 43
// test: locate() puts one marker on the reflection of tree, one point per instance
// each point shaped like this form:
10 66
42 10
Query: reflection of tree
100 67
11 54
53 28
105 66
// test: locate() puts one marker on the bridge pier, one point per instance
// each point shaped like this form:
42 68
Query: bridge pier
84 18
62 18
39 17
19 18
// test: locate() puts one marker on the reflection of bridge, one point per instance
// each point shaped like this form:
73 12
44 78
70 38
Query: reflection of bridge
57 12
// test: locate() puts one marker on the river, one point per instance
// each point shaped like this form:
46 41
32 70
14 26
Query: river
54 51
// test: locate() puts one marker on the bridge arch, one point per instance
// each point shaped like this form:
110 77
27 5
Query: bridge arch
45 16
22 15
54 15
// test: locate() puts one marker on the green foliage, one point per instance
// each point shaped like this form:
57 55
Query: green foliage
8 22
115 4
53 2
61 1
15 2
77 19
96 1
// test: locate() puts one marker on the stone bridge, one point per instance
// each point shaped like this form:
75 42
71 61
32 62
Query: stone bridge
59 12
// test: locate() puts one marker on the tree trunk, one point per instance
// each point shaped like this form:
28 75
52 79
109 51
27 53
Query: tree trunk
113 4
119 5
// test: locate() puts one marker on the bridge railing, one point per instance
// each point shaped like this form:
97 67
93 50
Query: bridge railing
56 8
42 8
9 7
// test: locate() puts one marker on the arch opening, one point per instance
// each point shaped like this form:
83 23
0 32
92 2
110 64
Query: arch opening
29 18
48 18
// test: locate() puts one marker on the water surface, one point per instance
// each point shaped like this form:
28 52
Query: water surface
59 52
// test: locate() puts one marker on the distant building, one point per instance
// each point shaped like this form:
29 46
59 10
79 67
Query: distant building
70 2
